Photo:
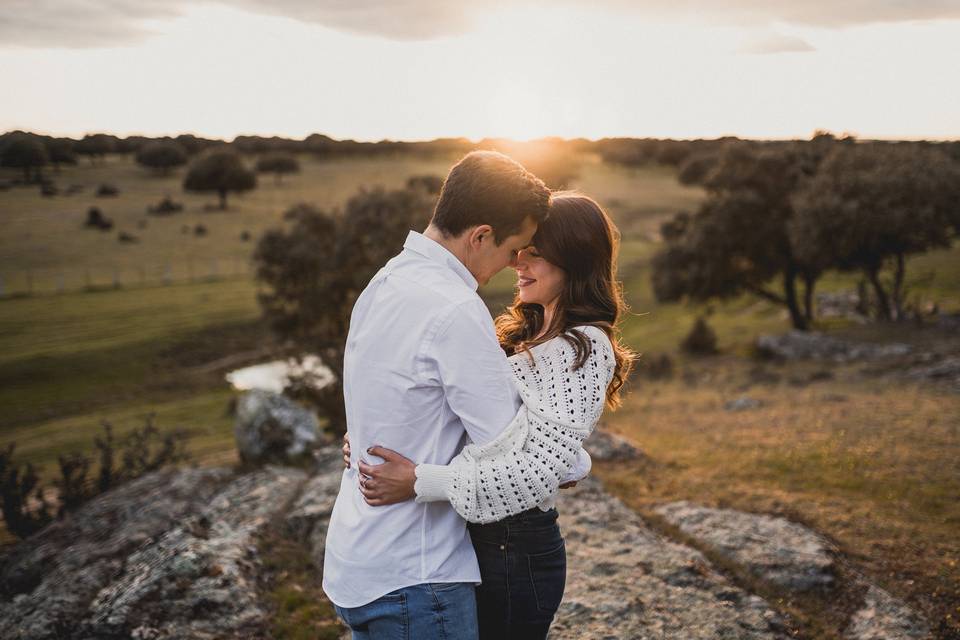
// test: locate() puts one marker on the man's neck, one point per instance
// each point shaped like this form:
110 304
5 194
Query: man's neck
453 245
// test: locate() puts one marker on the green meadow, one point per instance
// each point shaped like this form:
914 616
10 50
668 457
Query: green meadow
871 461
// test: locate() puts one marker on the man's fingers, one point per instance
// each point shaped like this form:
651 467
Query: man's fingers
367 469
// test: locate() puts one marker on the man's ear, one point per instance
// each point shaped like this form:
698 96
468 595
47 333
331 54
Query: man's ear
480 234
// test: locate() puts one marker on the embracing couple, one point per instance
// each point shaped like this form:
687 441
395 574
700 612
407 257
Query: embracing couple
461 430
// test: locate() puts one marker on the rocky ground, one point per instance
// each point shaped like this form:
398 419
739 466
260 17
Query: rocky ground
173 555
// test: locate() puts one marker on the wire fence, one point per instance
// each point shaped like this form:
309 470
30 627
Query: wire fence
34 282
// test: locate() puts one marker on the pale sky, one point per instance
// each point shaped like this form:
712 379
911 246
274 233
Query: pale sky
421 69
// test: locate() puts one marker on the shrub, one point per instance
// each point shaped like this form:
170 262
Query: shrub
165 207
143 451
278 164
701 341
96 219
161 156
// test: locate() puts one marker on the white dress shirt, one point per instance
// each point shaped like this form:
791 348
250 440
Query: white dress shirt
422 372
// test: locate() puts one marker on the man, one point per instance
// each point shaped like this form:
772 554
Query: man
422 373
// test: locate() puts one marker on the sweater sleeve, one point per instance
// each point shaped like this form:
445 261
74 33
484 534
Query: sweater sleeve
525 464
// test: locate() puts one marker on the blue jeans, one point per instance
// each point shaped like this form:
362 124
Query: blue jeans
437 611
523 565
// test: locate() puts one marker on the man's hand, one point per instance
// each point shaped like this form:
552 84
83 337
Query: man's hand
387 483
346 450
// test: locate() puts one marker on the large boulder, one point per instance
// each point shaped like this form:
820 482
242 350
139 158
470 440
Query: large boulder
608 447
273 428
771 548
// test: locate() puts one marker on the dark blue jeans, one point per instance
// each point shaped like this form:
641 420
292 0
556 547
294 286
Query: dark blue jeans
523 565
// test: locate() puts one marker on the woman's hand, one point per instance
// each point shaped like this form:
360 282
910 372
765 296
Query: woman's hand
346 450
387 483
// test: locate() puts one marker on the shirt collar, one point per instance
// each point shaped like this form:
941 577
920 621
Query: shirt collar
438 253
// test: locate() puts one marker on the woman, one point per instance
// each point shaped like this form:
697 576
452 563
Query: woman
561 338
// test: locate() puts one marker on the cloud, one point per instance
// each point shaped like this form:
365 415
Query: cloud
98 23
78 24
778 44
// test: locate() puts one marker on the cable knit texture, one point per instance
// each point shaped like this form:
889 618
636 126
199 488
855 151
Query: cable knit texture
522 468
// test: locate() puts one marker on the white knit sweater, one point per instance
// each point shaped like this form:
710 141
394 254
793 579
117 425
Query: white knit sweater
522 468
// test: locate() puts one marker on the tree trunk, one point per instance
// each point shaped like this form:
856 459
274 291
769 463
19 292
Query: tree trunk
863 298
898 288
790 296
883 301
809 282
223 199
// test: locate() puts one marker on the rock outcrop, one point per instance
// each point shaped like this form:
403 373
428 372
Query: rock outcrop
174 555
812 345
773 549
626 581
793 557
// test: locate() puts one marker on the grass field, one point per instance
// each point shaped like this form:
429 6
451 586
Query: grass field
870 462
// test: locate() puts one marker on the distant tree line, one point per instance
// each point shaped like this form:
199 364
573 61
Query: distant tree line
777 216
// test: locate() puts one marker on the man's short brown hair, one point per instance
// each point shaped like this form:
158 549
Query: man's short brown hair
487 187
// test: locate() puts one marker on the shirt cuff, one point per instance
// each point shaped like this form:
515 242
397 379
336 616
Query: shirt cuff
432 482
580 469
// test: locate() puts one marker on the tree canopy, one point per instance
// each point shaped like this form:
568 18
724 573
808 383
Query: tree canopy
316 267
220 170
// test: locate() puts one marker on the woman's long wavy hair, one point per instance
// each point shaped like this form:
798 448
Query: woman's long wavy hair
580 238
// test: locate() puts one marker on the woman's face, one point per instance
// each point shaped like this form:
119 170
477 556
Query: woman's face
540 282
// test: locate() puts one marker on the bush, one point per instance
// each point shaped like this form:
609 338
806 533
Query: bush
278 164
143 451
107 190
161 156
165 207
658 366
701 341
428 183
96 219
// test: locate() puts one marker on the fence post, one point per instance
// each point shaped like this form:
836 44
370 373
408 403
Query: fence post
190 269
60 282
168 274
116 278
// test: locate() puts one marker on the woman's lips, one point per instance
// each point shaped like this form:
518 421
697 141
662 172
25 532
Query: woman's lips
523 282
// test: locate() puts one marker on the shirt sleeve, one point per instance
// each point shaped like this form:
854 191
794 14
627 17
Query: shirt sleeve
474 371
525 464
